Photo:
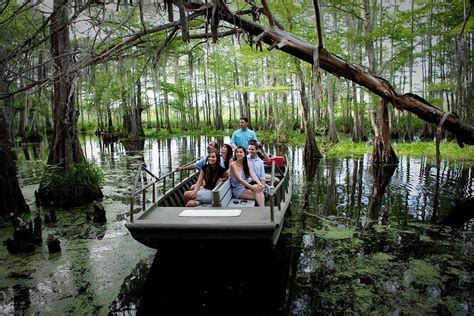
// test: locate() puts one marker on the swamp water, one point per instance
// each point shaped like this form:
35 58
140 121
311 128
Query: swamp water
358 239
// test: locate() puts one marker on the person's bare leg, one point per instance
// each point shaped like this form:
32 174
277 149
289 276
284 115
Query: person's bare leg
192 203
248 194
188 195
260 198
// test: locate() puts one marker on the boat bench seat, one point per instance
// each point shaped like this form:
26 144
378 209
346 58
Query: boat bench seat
222 197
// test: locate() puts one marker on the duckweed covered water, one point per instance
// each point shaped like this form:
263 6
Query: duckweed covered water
346 248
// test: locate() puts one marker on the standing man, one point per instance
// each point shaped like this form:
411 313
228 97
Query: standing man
242 136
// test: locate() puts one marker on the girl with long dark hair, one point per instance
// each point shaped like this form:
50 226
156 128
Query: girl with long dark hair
210 175
240 170
226 154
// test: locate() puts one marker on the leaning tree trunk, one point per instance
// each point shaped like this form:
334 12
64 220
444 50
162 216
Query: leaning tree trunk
11 198
286 42
65 149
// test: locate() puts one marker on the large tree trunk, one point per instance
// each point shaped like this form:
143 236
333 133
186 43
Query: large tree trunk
382 151
135 130
65 150
11 198
305 51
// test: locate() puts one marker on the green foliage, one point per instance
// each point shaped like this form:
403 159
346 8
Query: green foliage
384 268
19 26
441 86
88 127
344 148
469 28
262 90
74 180
449 150
424 273
181 91
177 132
283 126
334 233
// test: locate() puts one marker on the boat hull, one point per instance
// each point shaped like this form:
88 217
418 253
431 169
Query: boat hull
165 222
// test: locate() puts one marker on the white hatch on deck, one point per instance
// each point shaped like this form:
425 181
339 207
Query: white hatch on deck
210 212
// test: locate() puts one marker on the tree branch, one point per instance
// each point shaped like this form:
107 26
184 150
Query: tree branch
142 19
318 23
183 20
268 13
219 35
108 53
30 43
339 67
466 18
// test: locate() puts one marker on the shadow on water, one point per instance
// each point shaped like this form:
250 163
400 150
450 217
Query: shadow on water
218 278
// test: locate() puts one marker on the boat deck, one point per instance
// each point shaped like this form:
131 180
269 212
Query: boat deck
167 220
170 215
166 224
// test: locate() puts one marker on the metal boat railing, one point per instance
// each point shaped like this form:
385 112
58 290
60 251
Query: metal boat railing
278 193
168 181
162 183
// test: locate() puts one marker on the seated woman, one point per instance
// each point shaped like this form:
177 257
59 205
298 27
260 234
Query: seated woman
210 175
226 154
240 170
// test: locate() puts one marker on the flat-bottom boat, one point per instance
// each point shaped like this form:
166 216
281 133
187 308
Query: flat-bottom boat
165 218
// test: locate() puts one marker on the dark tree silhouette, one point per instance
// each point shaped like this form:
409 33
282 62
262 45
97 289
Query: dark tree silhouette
11 198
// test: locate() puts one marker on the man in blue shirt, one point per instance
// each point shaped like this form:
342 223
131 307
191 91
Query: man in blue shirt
242 136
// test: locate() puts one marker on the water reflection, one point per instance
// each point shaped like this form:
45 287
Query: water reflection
354 188
357 234
381 174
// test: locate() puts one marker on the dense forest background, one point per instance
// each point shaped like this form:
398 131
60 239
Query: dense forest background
365 234
130 68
